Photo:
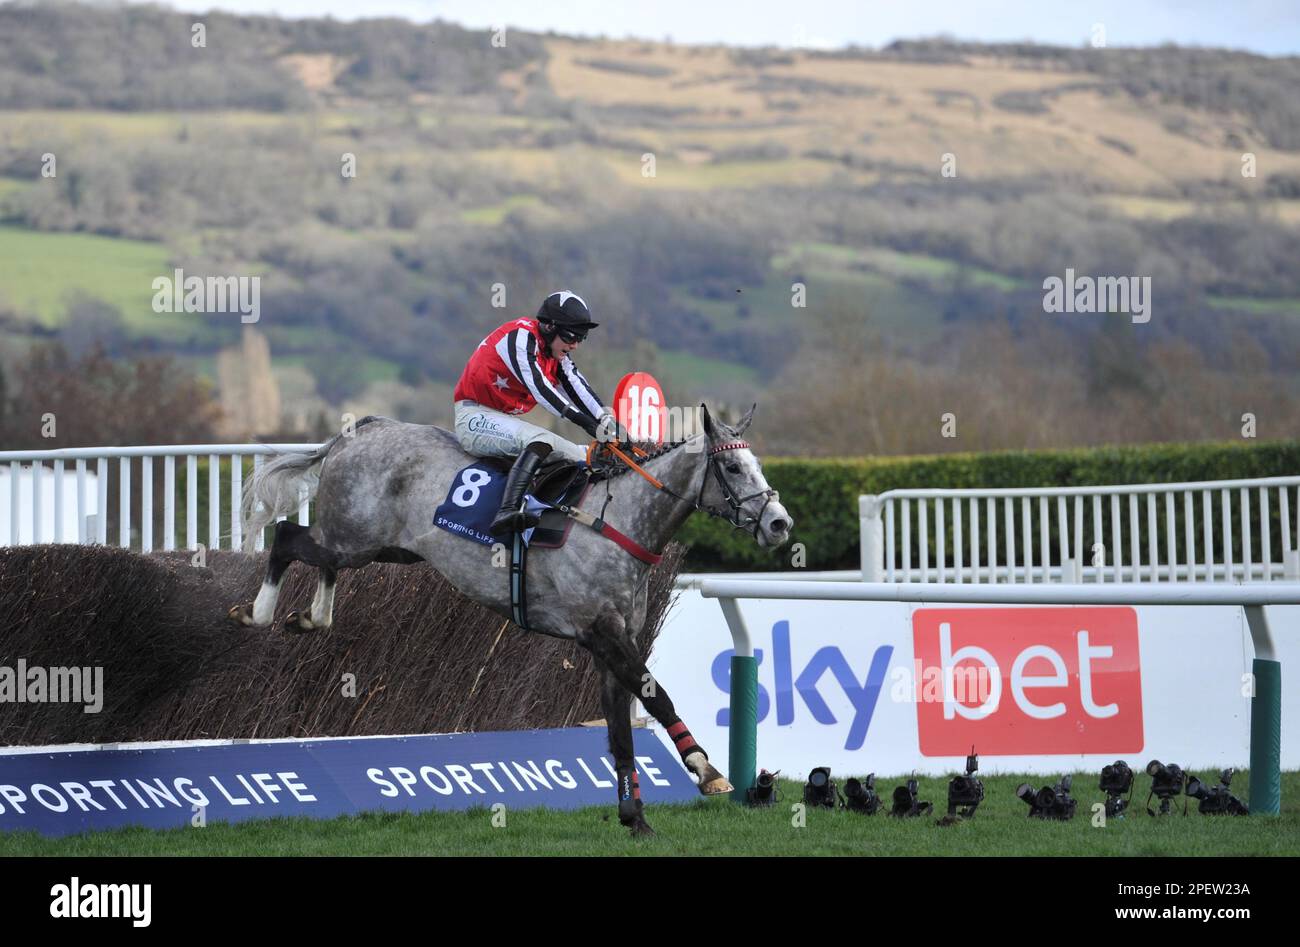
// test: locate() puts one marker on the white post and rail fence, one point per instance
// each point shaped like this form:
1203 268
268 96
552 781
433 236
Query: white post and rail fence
87 494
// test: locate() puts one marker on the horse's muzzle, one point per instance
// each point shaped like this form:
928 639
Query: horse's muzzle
774 526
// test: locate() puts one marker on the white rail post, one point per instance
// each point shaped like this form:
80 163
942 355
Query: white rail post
101 501
1134 540
81 499
1009 514
871 533
1116 539
1265 535
906 575
1078 537
38 502
191 501
214 502
1290 555
124 502
58 500
146 504
259 542
958 551
1099 539
1027 539
15 473
1170 533
1153 538
940 540
169 502
923 537
236 497
1247 555
1207 529
991 514
1226 503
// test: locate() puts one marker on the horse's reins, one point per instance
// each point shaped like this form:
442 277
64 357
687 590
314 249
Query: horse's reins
737 503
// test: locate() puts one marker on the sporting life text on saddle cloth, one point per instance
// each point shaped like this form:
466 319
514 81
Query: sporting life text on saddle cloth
472 504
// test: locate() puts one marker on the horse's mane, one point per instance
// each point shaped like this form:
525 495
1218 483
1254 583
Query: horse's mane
617 468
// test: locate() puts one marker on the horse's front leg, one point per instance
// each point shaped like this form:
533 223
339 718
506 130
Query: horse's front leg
617 704
609 643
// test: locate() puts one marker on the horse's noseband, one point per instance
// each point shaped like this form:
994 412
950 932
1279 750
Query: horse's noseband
737 503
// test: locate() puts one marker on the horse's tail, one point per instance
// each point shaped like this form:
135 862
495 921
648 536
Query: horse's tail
276 488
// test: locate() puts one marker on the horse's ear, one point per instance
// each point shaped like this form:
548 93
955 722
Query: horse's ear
745 421
707 418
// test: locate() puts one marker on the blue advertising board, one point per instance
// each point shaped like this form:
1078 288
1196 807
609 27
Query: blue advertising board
89 790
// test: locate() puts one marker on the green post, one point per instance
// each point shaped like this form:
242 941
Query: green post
1265 738
743 762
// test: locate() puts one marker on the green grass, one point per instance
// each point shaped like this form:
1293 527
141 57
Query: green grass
1255 306
889 263
684 369
496 214
882 300
40 272
11 186
134 126
718 827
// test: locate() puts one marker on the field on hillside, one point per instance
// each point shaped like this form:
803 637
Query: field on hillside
921 193
718 827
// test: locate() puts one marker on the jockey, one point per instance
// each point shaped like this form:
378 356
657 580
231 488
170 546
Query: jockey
517 366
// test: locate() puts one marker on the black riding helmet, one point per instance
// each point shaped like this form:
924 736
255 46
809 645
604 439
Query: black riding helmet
565 313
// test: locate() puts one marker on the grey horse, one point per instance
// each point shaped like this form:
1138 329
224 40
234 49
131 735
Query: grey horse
376 489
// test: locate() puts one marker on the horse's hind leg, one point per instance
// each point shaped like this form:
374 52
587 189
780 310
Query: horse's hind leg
322 606
283 552
617 703
608 641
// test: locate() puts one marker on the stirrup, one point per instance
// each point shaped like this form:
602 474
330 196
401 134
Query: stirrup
514 521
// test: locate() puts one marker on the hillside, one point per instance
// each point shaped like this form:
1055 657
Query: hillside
528 165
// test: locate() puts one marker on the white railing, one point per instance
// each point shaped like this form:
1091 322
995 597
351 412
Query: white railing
75 470
1213 530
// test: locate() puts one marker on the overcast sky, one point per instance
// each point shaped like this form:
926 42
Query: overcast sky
1265 26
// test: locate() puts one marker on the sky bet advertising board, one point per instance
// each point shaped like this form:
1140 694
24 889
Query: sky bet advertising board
894 688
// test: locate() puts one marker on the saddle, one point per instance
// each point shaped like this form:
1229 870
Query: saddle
561 483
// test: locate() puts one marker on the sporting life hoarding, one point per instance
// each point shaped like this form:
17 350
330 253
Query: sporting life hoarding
894 688
175 786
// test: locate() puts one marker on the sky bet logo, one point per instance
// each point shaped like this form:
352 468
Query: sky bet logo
1063 680
861 694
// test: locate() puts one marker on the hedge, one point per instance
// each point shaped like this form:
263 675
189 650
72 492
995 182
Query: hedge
822 495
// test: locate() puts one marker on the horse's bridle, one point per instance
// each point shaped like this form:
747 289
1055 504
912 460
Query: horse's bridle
738 518
737 503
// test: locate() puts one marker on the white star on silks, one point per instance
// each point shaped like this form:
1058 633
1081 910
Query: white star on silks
501 381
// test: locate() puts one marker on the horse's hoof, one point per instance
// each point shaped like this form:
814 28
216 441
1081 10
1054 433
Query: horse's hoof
241 615
641 829
295 623
716 787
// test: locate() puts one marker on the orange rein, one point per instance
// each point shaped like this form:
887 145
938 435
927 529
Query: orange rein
595 445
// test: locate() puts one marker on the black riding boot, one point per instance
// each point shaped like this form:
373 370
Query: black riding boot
510 519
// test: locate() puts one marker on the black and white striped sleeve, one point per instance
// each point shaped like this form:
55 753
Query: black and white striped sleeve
521 357
579 389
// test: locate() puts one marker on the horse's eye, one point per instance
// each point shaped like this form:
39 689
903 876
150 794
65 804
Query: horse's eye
733 468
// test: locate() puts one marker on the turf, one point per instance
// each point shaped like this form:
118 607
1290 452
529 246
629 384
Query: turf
1001 827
